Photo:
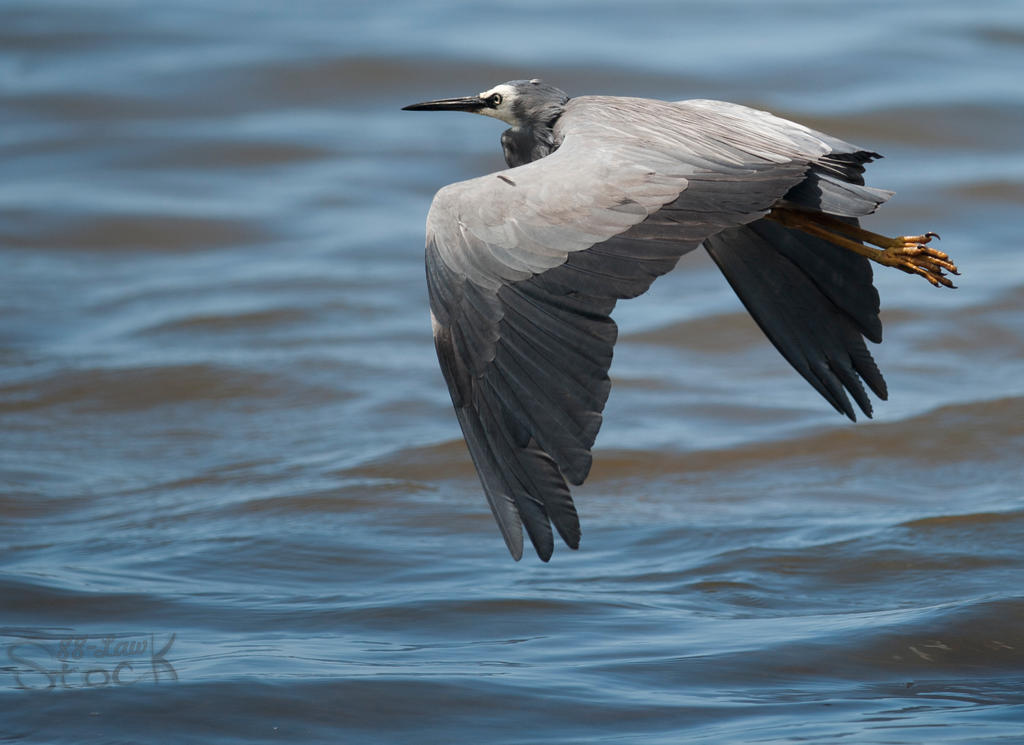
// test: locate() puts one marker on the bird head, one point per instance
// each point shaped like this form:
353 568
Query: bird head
519 103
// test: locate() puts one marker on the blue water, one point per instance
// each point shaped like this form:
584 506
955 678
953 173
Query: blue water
235 505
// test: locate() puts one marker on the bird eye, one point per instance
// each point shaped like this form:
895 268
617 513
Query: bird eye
494 100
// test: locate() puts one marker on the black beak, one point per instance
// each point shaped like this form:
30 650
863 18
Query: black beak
466 103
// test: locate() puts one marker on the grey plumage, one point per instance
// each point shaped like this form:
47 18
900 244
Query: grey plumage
602 196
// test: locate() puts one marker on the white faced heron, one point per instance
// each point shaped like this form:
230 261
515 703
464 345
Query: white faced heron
602 195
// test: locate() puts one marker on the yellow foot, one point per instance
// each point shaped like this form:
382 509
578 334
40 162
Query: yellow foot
910 253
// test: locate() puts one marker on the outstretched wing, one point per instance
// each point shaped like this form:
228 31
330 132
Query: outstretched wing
524 267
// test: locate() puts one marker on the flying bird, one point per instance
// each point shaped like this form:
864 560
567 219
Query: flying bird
601 196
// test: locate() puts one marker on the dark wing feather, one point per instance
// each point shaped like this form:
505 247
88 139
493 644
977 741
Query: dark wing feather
814 300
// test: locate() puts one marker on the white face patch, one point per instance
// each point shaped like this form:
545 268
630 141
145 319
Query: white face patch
504 109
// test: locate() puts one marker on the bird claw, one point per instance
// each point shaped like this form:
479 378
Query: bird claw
911 254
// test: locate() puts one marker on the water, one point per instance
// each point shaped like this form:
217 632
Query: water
236 506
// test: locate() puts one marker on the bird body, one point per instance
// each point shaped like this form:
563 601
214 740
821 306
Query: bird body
603 195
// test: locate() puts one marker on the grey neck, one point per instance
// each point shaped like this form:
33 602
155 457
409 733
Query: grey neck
526 144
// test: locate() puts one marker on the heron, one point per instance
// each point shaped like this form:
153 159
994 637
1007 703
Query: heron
601 196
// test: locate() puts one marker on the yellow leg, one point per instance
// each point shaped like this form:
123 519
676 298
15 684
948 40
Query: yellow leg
909 253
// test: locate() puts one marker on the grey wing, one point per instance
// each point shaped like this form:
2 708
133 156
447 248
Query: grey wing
814 300
525 266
